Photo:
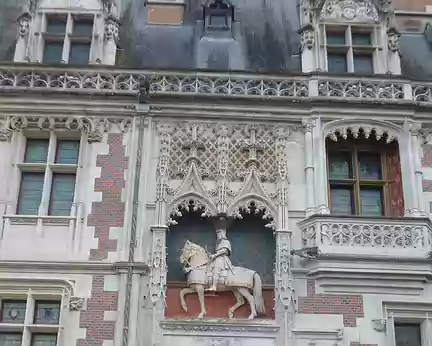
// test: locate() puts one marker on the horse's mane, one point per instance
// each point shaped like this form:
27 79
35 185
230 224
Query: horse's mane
193 248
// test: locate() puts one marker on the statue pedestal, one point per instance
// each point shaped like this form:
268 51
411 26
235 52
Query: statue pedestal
218 332
217 304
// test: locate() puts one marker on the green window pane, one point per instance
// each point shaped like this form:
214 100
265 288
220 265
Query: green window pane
53 52
335 38
79 53
10 339
13 311
363 39
337 63
408 335
371 202
36 151
67 152
83 28
341 200
56 25
363 64
47 313
30 193
44 340
62 194
369 166
340 166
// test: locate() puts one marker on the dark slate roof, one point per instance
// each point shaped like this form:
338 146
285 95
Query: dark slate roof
264 38
416 56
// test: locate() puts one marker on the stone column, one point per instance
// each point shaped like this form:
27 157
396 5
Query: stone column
24 22
158 272
426 332
320 167
416 137
110 42
308 126
284 305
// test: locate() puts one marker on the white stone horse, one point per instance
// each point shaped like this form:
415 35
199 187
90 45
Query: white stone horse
240 281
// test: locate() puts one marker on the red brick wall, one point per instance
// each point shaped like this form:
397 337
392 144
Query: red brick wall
92 318
427 162
350 306
110 211
107 213
217 306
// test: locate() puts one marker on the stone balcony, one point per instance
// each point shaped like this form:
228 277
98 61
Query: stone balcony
367 237
304 87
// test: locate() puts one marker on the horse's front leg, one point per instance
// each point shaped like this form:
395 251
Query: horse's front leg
200 291
183 292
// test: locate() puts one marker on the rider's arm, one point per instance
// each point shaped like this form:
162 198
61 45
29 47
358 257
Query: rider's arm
221 252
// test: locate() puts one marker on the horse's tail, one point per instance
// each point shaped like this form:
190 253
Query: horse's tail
258 295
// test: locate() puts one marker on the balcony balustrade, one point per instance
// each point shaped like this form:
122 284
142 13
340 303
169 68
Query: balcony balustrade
368 237
100 80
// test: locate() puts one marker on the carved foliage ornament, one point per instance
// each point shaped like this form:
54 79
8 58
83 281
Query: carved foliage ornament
349 10
76 303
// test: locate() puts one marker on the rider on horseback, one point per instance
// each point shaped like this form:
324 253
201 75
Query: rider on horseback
220 260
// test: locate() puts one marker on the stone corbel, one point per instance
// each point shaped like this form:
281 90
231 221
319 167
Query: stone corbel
76 303
393 36
112 26
307 36
379 324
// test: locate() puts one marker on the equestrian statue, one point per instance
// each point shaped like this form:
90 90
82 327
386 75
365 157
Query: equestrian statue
215 273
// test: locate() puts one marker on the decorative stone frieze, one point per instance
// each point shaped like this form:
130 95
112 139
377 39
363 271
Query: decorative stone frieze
349 10
94 127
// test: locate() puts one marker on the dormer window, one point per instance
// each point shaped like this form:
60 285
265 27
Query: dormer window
218 15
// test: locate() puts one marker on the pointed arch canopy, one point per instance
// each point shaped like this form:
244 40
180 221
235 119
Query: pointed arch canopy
254 203
190 201
377 128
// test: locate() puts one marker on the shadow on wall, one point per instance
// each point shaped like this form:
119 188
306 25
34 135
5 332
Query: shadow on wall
10 10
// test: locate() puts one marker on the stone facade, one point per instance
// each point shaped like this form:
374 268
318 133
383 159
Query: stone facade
156 146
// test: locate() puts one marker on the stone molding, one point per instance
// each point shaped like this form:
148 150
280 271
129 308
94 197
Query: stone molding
219 326
94 127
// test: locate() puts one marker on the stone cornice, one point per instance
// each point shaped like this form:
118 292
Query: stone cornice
72 267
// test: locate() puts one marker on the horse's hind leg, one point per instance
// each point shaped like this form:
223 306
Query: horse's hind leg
183 292
200 290
249 297
240 302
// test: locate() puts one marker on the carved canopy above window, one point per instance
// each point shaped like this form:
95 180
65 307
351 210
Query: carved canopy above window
349 10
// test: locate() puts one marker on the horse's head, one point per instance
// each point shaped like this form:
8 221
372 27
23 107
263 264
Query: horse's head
192 252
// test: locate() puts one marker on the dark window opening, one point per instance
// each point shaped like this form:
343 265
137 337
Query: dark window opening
407 334
364 177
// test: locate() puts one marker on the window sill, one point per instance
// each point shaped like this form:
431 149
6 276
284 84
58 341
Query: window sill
404 238
33 219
